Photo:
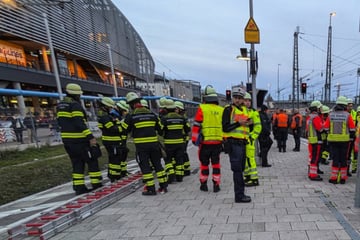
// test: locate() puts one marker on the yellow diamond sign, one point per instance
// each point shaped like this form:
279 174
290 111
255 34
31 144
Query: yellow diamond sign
252 33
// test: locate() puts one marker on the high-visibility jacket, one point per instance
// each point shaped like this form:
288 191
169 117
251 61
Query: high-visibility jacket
143 125
111 132
339 124
207 122
255 127
296 121
174 127
282 120
72 121
314 127
235 115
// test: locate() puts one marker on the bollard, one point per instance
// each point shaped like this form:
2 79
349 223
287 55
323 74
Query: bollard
357 188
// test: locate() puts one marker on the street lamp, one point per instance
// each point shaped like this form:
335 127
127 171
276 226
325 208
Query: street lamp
278 80
328 63
244 56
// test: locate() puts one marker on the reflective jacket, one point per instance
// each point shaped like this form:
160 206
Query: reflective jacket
255 126
314 127
230 122
339 125
72 121
296 121
207 122
111 132
175 127
143 125
282 120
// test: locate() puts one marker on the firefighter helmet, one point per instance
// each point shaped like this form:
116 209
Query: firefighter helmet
169 104
144 103
342 100
123 105
210 94
325 109
179 104
162 102
74 89
315 103
131 96
106 101
247 96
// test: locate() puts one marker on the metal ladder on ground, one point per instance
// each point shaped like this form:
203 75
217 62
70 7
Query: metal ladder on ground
54 221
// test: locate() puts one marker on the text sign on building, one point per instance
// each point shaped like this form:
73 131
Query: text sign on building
252 33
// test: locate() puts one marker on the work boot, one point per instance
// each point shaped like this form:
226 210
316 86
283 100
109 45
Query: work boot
349 173
266 165
216 187
162 190
149 191
252 183
82 190
333 181
179 178
353 171
204 187
319 171
317 178
243 199
96 186
342 181
171 178
187 173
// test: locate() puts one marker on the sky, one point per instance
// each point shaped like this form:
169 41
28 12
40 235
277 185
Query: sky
200 39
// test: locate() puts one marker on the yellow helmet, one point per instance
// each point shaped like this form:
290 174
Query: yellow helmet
210 94
179 104
315 103
169 104
342 100
107 101
358 109
144 103
325 109
131 96
247 96
123 105
162 102
74 89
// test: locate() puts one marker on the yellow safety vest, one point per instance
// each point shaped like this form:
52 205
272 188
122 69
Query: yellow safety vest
338 131
241 132
211 126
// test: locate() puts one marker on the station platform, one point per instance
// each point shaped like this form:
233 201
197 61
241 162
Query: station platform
286 205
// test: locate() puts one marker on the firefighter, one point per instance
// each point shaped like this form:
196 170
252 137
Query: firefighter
235 124
174 128
250 172
111 137
144 103
351 154
78 139
207 134
144 127
314 128
325 151
123 109
341 129
181 110
162 109
282 124
296 126
356 144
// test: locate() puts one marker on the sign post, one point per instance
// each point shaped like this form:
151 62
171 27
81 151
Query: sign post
252 33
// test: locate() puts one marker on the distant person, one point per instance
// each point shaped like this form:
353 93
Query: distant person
265 140
296 127
282 124
19 127
30 123
78 140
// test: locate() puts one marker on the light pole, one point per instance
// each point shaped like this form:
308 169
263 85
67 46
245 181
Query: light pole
53 58
328 63
247 59
112 70
278 81
253 63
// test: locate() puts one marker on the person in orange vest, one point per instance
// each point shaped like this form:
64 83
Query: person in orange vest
282 124
296 126
341 129
314 128
273 126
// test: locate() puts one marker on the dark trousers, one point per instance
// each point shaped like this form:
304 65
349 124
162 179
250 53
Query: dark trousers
19 135
282 137
297 135
265 145
338 151
237 161
176 152
114 154
79 155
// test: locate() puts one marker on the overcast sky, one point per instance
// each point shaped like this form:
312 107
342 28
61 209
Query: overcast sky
200 39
